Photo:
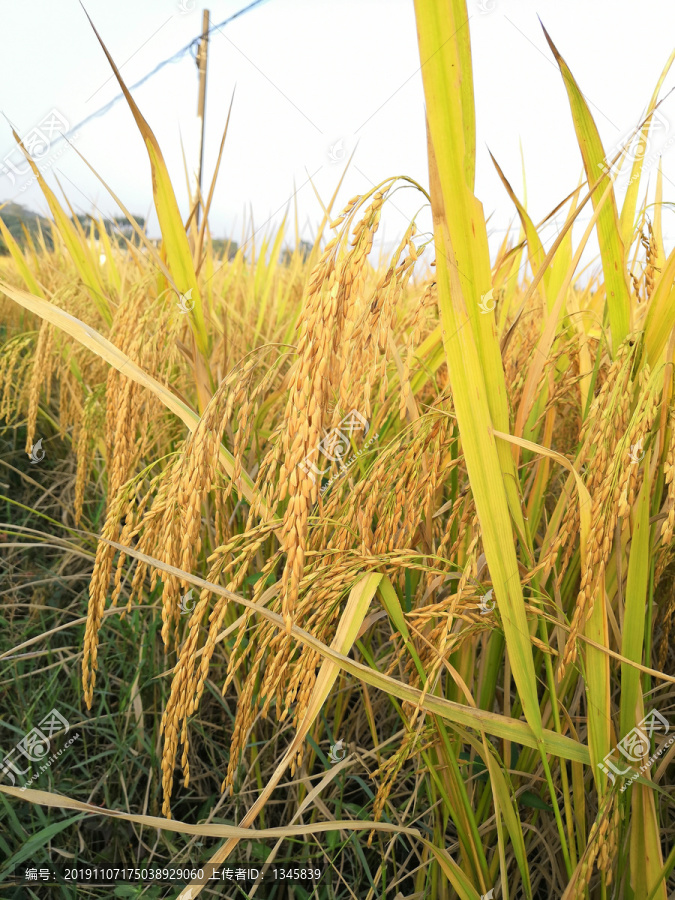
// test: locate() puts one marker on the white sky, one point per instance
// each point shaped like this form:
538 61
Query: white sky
311 72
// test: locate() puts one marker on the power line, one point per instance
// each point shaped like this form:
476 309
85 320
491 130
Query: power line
171 59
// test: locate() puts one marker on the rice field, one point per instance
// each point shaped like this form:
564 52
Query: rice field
350 568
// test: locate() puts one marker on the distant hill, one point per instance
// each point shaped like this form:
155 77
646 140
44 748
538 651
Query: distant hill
304 248
15 216
221 246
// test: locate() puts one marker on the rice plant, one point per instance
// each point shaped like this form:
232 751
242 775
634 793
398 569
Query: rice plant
413 529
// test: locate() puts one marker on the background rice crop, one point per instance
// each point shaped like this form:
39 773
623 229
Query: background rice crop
420 672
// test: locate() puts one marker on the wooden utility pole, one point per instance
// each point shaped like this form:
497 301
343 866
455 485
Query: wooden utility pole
201 105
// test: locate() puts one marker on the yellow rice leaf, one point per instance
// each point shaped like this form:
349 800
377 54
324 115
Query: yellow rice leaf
627 219
111 267
174 239
535 249
443 34
477 379
466 94
506 804
661 313
632 637
582 490
235 832
563 256
18 257
485 475
612 251
76 245
657 217
563 236
646 861
551 321
597 686
148 245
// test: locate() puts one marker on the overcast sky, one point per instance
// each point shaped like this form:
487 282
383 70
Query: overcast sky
316 75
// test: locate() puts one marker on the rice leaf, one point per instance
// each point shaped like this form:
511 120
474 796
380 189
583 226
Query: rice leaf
612 251
627 218
76 246
661 313
633 632
174 238
18 257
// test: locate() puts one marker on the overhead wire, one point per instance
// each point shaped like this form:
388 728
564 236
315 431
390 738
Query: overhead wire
176 57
